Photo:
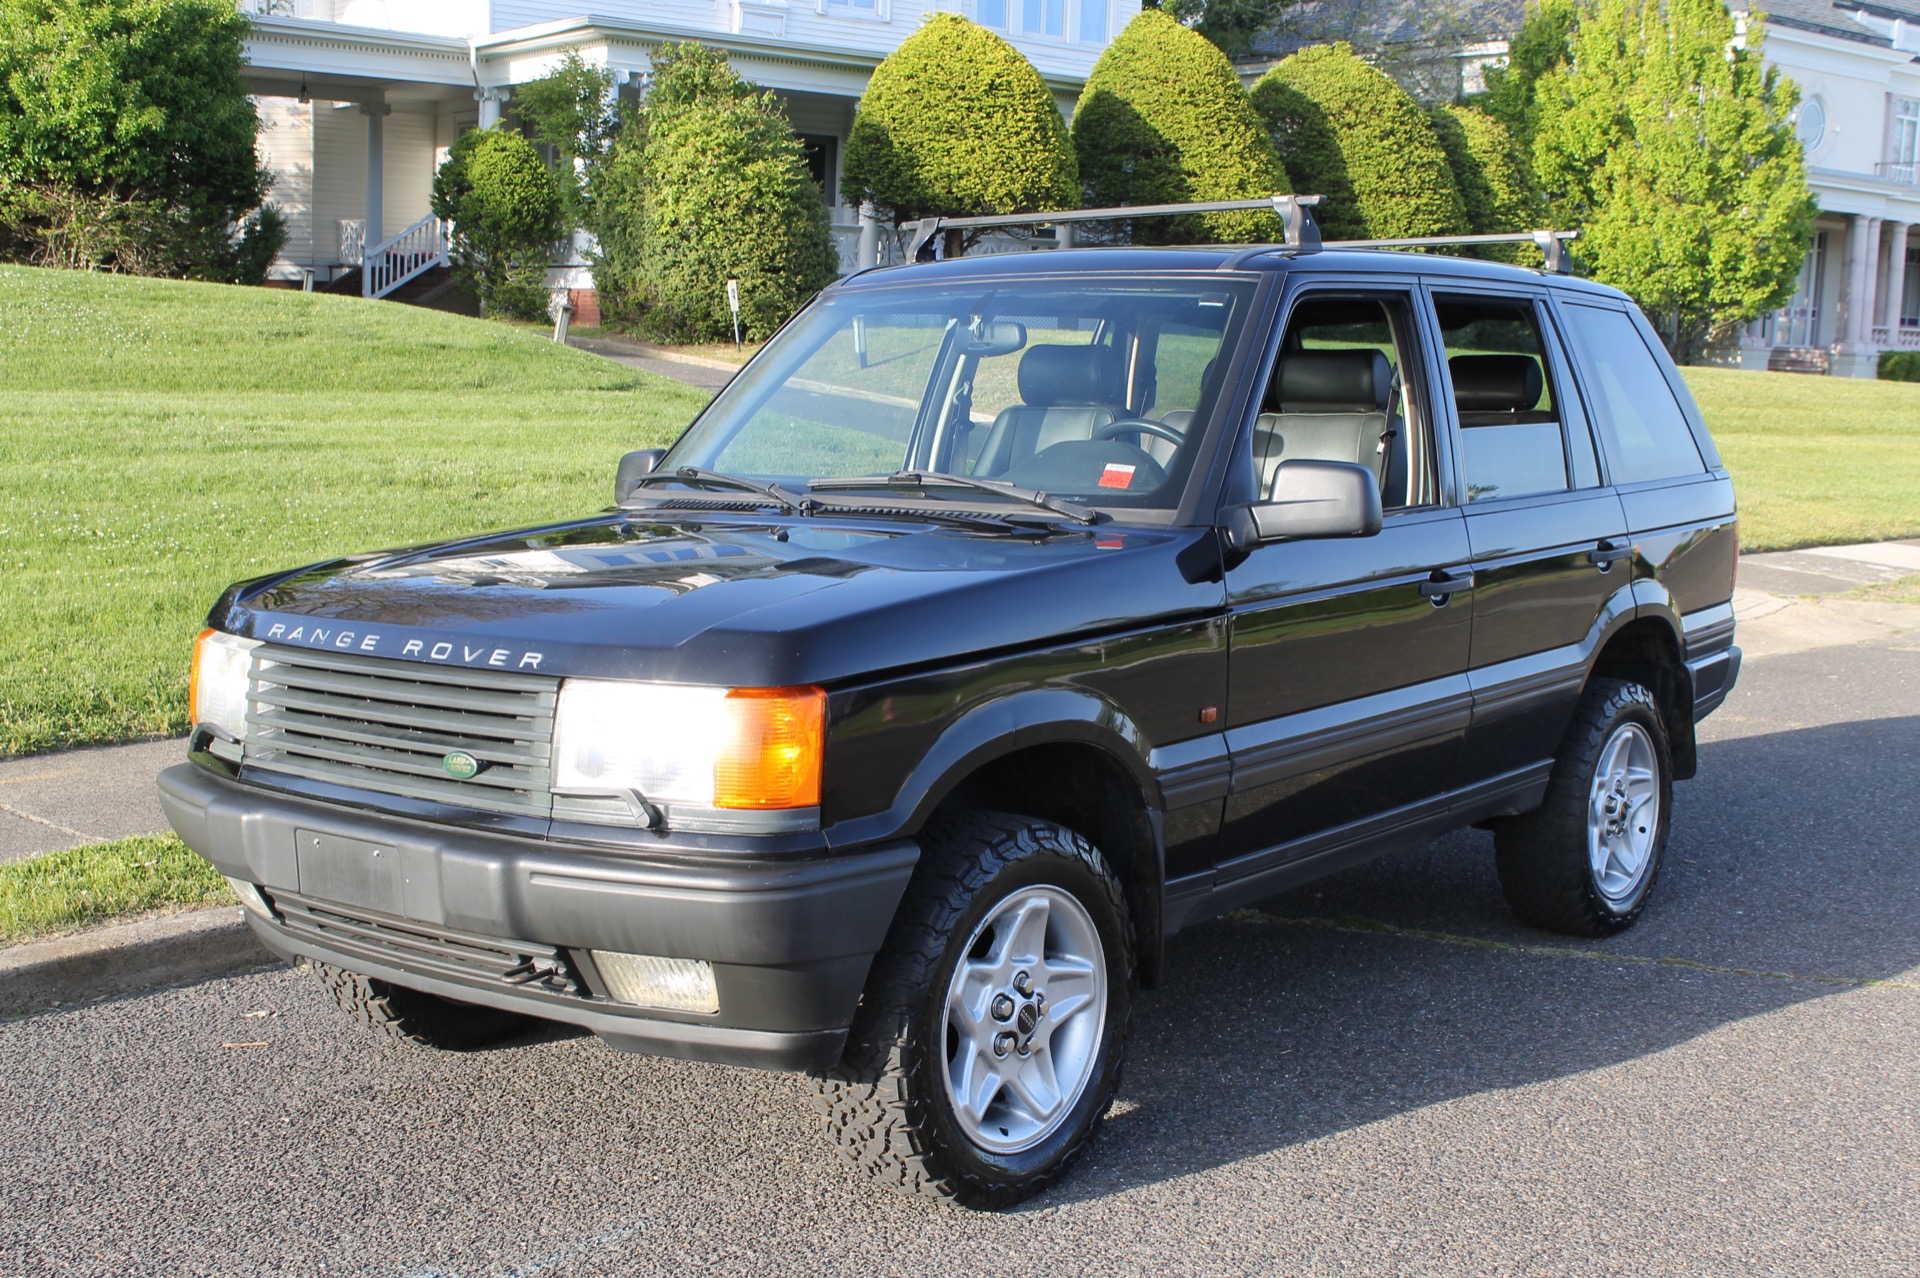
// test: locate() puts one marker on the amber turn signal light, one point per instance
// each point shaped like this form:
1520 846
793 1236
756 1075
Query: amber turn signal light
193 679
770 757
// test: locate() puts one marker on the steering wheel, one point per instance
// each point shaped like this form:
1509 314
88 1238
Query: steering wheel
1140 426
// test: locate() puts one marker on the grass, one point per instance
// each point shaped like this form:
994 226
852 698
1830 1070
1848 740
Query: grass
1817 461
160 440
65 891
1902 590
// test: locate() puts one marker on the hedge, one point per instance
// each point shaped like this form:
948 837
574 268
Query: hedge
727 195
1163 120
505 207
956 122
1900 366
1338 122
1496 187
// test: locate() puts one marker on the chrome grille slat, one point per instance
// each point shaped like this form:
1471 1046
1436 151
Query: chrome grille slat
386 727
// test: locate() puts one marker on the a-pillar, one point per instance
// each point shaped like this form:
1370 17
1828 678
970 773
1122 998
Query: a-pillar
376 112
1896 294
1856 356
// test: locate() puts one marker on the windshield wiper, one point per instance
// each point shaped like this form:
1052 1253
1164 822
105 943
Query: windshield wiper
788 502
940 479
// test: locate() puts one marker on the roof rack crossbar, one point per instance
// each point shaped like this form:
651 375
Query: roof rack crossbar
1295 219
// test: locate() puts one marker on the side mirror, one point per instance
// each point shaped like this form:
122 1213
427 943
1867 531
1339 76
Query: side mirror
632 467
1317 499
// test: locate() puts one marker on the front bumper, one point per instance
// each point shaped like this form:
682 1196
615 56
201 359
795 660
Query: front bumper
507 921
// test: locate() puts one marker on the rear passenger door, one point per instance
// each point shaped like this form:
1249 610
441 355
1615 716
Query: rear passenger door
1347 701
1549 540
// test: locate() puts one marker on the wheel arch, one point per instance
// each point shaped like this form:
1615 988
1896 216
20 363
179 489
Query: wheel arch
1650 650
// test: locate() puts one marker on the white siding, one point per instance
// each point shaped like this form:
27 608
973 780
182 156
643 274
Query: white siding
409 167
285 147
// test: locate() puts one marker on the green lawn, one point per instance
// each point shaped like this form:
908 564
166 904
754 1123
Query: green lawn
1818 461
65 891
159 440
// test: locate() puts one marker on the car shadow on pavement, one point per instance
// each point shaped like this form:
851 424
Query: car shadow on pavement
1405 983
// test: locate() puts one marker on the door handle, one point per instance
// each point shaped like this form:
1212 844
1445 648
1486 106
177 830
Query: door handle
1446 582
1606 554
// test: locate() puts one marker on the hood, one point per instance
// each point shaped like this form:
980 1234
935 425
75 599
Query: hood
699 597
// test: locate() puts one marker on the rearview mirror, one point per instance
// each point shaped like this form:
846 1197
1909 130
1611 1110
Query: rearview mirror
996 337
632 467
1318 499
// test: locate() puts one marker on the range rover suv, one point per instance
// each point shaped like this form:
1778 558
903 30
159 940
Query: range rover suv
1002 617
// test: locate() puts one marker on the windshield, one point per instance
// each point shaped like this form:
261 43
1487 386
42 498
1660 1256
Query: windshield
1091 391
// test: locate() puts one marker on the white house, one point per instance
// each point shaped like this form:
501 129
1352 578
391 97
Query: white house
1858 68
360 99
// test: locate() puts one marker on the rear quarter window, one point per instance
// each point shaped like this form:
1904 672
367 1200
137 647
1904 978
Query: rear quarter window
1641 426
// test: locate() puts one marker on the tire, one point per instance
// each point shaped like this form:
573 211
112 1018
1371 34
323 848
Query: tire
417 1019
957 1005
1585 861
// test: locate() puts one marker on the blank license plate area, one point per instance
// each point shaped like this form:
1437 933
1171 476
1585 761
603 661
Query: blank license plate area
349 871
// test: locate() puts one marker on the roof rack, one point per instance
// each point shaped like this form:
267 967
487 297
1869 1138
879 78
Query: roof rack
1300 232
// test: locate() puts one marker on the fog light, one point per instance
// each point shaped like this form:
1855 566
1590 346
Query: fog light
250 897
675 985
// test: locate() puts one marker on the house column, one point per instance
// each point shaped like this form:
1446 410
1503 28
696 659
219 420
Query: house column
490 101
1855 355
376 112
1896 278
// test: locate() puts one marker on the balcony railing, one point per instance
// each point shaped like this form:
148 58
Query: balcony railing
1907 174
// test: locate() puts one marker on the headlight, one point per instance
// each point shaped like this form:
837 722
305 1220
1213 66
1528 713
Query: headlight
217 693
692 749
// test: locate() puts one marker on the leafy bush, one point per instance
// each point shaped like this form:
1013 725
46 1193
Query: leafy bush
1900 366
1538 47
505 208
1338 122
1496 187
571 109
725 195
127 137
956 122
1163 120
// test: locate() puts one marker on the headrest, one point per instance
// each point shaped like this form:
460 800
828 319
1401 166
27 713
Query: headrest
1059 376
1332 382
1495 383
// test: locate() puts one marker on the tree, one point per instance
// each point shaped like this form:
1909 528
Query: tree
1539 47
505 207
956 122
127 138
1163 120
571 109
1230 24
1671 144
725 195
1346 131
1495 182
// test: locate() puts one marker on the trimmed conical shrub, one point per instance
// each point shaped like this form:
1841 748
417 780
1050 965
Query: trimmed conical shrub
1338 122
1164 120
956 122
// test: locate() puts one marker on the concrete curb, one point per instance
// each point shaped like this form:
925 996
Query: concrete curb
602 346
128 958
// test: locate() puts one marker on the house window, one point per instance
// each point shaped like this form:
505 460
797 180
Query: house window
1906 132
1093 21
1044 17
854 8
1812 124
1910 302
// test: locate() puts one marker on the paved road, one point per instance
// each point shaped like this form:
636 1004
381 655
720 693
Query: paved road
1379 1074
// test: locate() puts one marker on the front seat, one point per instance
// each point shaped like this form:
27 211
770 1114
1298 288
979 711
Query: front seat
1069 393
1325 406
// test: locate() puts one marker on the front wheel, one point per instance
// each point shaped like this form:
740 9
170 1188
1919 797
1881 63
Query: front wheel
1585 861
990 1039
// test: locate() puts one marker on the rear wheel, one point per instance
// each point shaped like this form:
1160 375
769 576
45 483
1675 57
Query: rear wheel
421 1020
1585 861
990 1039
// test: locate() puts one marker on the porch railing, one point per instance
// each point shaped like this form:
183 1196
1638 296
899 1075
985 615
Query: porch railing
412 253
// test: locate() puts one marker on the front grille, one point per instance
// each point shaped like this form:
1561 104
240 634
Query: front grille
387 726
427 949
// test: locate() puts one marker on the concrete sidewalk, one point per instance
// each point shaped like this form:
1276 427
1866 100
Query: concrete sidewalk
1784 604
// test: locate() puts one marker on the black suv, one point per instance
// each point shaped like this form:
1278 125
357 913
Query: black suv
1002 617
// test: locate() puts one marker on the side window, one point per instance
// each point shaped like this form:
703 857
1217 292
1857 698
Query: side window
1345 389
1502 383
1640 423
